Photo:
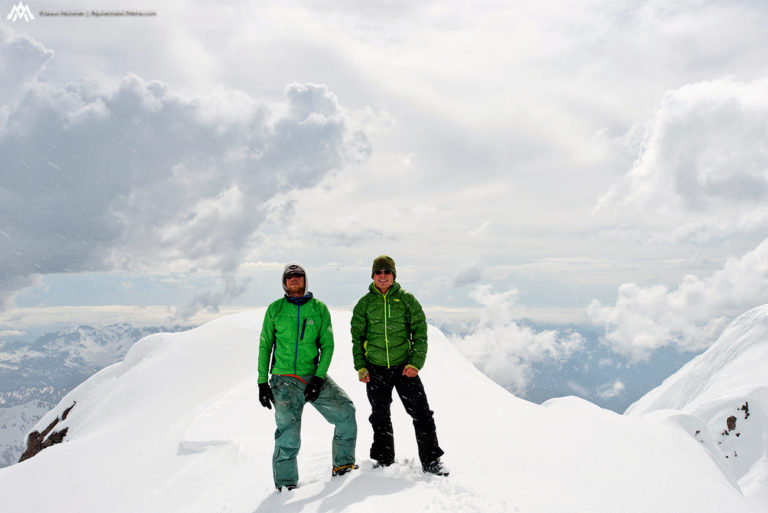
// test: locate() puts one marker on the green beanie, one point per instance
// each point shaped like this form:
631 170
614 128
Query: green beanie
383 262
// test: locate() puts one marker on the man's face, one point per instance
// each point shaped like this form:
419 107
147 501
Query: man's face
383 279
295 284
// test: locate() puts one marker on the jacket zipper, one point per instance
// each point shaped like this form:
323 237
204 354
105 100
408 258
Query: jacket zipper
296 352
386 338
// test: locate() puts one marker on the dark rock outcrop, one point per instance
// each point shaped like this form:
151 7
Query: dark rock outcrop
37 441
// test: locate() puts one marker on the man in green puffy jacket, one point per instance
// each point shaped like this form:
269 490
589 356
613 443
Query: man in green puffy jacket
296 347
389 347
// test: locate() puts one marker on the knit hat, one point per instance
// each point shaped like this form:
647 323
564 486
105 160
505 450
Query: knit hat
295 268
383 262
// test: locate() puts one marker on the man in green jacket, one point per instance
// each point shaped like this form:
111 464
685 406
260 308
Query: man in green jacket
296 347
389 347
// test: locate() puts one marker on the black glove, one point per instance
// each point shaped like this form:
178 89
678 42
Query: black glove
265 395
313 389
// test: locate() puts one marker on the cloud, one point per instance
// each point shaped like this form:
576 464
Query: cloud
703 160
470 276
212 299
506 351
644 319
141 177
610 390
22 59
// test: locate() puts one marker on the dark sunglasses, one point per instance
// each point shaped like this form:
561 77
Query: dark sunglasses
383 271
293 275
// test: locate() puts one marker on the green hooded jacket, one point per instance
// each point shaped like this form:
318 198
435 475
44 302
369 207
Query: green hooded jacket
388 329
297 338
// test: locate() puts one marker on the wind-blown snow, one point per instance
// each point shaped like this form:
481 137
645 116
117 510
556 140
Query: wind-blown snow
727 380
177 427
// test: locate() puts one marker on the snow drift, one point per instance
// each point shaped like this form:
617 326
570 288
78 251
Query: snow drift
177 427
725 391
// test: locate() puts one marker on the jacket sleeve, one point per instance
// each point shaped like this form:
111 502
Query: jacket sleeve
418 332
358 328
325 342
266 341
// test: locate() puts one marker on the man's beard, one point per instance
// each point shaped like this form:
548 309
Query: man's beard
292 291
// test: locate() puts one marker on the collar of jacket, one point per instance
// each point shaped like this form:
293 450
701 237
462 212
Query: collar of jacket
299 300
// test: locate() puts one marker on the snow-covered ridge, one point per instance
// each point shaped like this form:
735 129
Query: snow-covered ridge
726 390
35 376
734 363
177 427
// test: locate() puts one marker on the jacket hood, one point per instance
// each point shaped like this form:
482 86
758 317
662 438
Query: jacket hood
295 267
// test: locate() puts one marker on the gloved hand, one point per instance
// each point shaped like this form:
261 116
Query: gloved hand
410 371
363 375
265 395
313 389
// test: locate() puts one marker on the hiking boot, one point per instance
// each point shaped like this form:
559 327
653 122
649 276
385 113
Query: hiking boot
382 463
340 471
435 467
287 487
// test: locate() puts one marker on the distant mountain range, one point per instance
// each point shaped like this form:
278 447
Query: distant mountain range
35 376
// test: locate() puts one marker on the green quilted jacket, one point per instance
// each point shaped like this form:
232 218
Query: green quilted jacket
296 338
388 329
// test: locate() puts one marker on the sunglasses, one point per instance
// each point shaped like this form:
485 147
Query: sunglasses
383 271
293 275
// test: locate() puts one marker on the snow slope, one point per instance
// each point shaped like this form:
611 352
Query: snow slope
34 376
729 380
177 427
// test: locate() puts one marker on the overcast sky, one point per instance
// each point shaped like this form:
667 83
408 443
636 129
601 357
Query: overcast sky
604 162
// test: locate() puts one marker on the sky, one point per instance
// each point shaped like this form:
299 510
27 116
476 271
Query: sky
600 163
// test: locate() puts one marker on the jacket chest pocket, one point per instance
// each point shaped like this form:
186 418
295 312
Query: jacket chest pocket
309 329
396 313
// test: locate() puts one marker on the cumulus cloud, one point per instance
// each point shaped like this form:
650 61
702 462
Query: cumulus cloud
139 176
22 59
507 351
704 160
701 176
644 319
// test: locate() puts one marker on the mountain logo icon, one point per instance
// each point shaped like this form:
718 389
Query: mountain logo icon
20 11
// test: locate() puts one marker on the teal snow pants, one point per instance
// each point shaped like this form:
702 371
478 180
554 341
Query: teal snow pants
332 403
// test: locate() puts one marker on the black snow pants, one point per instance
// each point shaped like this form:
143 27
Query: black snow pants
411 392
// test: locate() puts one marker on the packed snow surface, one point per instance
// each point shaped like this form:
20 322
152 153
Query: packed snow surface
177 427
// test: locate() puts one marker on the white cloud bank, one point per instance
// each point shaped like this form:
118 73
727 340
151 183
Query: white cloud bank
506 351
701 177
691 317
703 163
139 176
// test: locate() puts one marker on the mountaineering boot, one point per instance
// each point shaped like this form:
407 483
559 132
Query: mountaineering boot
340 471
382 463
435 467
287 487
